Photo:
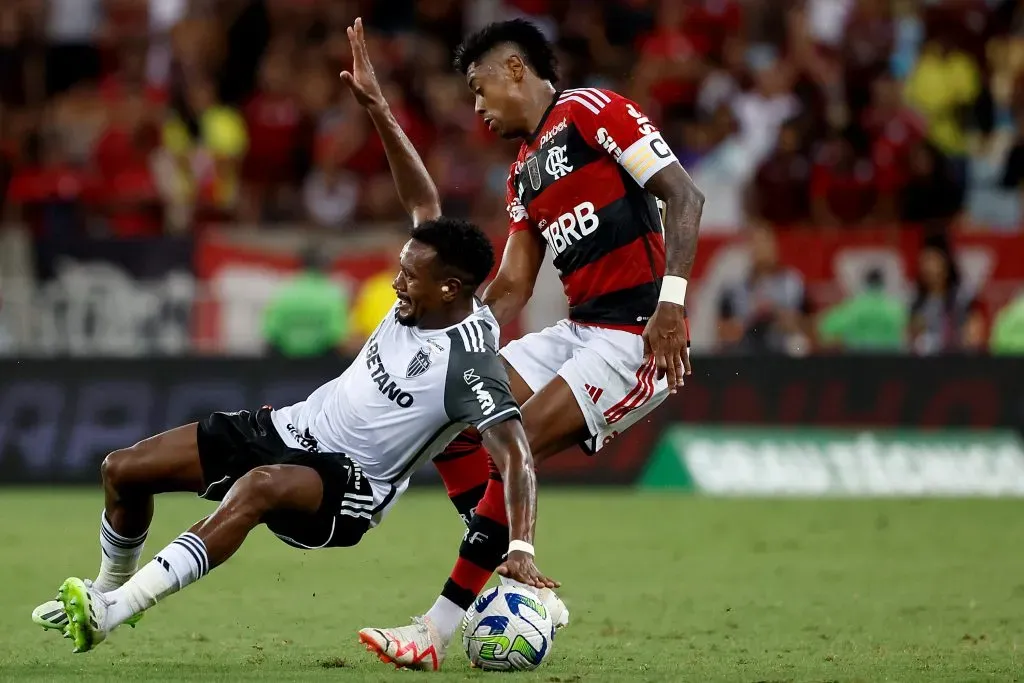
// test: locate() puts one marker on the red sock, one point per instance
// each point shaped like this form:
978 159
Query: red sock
463 467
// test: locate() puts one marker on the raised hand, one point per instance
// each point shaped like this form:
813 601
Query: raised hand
361 80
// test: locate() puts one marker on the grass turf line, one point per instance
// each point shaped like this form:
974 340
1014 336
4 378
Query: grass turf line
661 588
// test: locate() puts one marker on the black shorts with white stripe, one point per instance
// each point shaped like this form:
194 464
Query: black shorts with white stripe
232 444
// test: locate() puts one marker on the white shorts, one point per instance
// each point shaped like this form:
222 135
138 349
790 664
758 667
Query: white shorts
605 369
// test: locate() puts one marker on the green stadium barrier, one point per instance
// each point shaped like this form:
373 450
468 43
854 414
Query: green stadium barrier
794 461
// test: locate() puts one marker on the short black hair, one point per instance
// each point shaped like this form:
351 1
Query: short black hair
536 50
461 247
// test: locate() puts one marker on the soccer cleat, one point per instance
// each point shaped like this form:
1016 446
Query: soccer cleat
557 610
86 610
417 646
50 614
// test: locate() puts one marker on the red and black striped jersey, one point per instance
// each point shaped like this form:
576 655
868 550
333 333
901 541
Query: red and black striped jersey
578 181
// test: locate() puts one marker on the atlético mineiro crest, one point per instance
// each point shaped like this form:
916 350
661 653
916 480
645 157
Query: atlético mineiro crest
533 169
419 363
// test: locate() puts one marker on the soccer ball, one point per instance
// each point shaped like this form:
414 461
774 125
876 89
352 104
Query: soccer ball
507 629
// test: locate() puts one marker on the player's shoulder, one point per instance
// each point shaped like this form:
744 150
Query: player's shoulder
590 100
475 334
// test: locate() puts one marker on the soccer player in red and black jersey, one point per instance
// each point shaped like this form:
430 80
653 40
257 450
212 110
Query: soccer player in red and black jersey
586 183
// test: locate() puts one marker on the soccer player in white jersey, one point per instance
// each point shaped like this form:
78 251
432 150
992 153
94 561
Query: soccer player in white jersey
322 472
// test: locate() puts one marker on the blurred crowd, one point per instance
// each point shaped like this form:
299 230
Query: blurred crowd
140 116
143 117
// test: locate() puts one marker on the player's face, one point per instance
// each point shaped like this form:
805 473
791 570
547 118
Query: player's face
419 291
494 86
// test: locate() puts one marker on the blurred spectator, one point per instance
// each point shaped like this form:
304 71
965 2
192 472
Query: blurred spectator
206 141
308 316
127 192
932 196
869 321
767 311
993 196
943 86
780 191
274 123
893 129
868 39
1008 329
50 188
844 183
761 112
72 33
1013 174
944 315
330 194
671 61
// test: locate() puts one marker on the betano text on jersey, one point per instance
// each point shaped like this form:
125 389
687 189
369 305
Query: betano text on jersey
405 397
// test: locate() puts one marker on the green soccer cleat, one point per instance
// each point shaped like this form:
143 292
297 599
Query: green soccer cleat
86 610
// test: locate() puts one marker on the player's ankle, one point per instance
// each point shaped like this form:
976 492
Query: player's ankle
444 618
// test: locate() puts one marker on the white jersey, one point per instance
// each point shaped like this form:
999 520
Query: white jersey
404 398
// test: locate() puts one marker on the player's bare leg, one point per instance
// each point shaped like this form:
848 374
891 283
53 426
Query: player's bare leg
553 422
131 476
93 614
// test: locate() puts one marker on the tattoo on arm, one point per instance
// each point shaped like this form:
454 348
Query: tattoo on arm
684 204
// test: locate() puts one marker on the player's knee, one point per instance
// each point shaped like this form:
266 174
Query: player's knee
255 493
118 469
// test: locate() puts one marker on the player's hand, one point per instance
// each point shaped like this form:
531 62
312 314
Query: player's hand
361 79
667 339
519 566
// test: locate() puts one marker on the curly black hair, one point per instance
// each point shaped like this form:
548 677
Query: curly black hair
536 50
462 248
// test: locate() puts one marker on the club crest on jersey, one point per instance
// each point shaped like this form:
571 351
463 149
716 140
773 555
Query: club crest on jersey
533 170
419 363
557 164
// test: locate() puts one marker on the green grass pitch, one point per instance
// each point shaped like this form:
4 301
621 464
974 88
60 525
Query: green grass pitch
661 588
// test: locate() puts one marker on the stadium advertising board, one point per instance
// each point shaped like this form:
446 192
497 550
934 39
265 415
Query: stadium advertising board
795 461
59 417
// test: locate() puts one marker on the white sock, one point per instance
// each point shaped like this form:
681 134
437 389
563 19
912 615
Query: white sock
182 562
446 617
119 556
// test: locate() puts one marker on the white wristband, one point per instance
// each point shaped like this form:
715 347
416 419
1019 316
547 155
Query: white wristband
521 546
673 289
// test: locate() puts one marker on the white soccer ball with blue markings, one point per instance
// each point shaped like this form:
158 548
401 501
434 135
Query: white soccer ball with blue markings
507 629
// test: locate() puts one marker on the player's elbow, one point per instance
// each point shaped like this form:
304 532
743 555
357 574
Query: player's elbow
426 210
690 196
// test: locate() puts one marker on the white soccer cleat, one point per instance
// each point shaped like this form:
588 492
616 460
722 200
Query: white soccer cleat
557 610
86 610
416 646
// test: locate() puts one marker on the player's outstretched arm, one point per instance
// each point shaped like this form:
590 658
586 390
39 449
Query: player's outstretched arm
507 444
415 188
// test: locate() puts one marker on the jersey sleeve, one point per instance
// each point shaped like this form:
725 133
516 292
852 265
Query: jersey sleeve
477 390
518 219
610 122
